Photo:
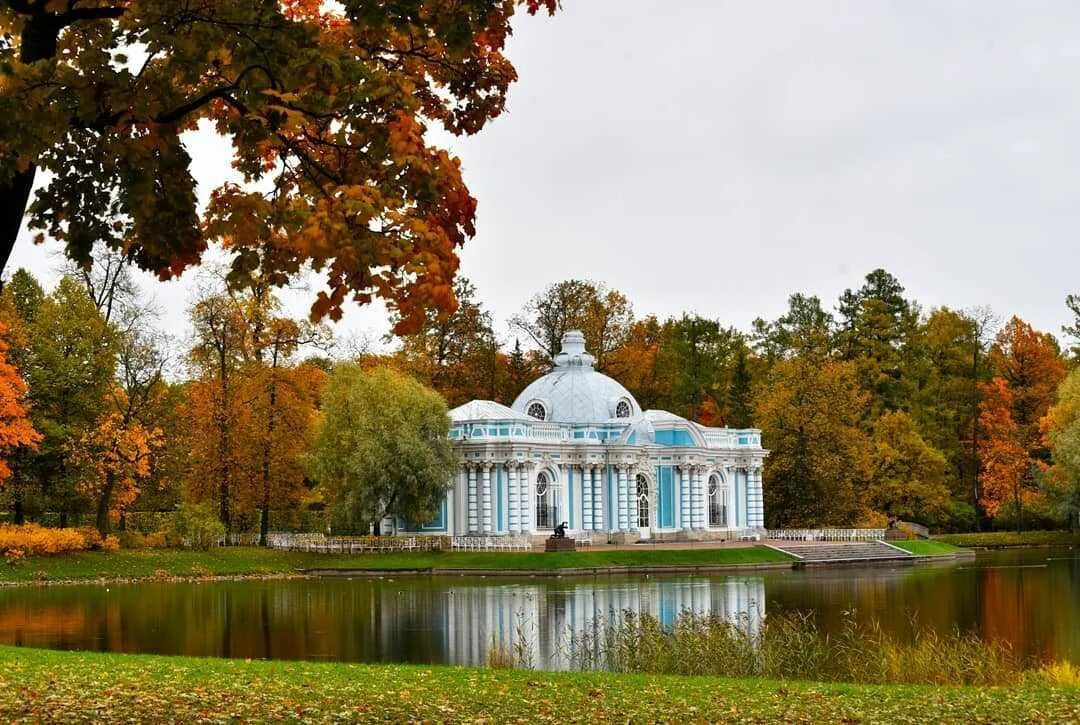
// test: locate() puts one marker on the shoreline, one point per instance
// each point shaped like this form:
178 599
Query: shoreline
338 572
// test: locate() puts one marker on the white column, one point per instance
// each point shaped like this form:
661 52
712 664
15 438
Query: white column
755 511
623 512
485 498
527 498
513 518
587 497
685 514
598 497
699 498
474 520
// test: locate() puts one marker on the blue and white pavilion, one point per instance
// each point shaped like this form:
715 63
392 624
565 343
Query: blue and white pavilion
576 447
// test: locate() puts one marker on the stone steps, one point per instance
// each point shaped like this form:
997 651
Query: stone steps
835 552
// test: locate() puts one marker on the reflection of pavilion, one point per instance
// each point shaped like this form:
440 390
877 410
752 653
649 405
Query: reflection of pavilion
474 617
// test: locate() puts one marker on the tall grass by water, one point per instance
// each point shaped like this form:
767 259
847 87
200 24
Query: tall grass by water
785 646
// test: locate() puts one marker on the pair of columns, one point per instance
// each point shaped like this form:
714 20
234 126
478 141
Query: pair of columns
481 498
693 491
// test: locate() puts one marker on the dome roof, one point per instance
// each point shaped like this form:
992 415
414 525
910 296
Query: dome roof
575 393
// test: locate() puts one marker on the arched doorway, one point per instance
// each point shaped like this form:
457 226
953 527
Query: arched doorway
547 510
717 503
644 509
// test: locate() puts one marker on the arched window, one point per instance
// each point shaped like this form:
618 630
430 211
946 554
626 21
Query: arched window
546 512
642 502
717 503
622 409
536 410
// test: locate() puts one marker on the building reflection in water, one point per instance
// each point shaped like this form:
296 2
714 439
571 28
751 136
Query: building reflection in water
540 619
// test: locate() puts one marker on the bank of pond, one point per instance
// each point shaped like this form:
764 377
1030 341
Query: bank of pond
1005 619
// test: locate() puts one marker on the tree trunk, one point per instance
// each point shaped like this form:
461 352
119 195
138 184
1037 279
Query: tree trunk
264 528
104 502
18 516
38 41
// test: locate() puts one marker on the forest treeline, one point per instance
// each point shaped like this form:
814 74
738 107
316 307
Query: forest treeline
872 406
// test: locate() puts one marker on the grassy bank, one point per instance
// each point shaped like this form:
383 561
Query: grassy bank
930 547
1005 539
42 685
237 561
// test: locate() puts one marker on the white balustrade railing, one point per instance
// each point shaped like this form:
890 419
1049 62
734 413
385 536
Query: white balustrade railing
490 543
825 534
323 544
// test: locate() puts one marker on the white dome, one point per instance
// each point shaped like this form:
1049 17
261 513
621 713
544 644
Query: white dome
575 393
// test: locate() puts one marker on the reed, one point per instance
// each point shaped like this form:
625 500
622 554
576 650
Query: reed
791 646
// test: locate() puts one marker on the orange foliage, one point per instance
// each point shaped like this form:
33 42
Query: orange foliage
116 453
35 540
15 427
1027 368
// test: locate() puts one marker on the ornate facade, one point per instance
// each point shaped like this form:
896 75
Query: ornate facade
576 447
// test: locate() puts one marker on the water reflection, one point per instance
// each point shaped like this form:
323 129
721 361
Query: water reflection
452 621
1028 598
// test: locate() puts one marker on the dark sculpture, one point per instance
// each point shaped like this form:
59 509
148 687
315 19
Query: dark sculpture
560 531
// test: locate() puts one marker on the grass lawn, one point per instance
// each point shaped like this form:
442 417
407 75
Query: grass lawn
241 560
1000 539
927 547
40 685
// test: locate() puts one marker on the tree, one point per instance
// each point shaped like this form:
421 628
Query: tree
805 330
382 448
640 366
810 415
69 371
740 394
603 315
1027 369
876 322
453 353
1073 330
16 430
213 408
326 103
1061 430
702 355
907 478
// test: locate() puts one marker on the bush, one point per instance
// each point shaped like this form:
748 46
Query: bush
36 540
195 526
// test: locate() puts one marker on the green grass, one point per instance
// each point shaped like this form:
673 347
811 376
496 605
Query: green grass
235 561
1001 539
928 547
39 685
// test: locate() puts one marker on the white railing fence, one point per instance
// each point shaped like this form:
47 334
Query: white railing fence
490 543
323 544
825 534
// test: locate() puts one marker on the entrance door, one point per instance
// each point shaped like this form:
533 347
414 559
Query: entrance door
644 510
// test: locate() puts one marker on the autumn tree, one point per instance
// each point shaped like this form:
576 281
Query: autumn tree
639 364
702 355
382 448
805 330
16 430
907 475
603 315
1027 369
325 104
213 409
810 414
1073 330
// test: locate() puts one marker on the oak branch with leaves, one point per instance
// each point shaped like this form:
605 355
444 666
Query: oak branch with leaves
326 106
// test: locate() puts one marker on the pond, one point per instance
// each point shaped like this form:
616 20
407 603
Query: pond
1029 597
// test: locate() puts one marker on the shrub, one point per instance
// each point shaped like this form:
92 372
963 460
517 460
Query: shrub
36 540
195 526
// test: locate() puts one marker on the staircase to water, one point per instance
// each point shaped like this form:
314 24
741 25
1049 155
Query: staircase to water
840 552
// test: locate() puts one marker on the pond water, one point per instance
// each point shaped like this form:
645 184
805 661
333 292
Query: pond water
1028 597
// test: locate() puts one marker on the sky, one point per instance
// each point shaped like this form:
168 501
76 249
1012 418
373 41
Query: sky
714 157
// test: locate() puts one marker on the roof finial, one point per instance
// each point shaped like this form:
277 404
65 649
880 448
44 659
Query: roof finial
573 352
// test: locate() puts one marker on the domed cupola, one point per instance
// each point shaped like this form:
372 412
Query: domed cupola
575 393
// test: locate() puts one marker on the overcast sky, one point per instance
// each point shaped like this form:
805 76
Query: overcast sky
716 156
